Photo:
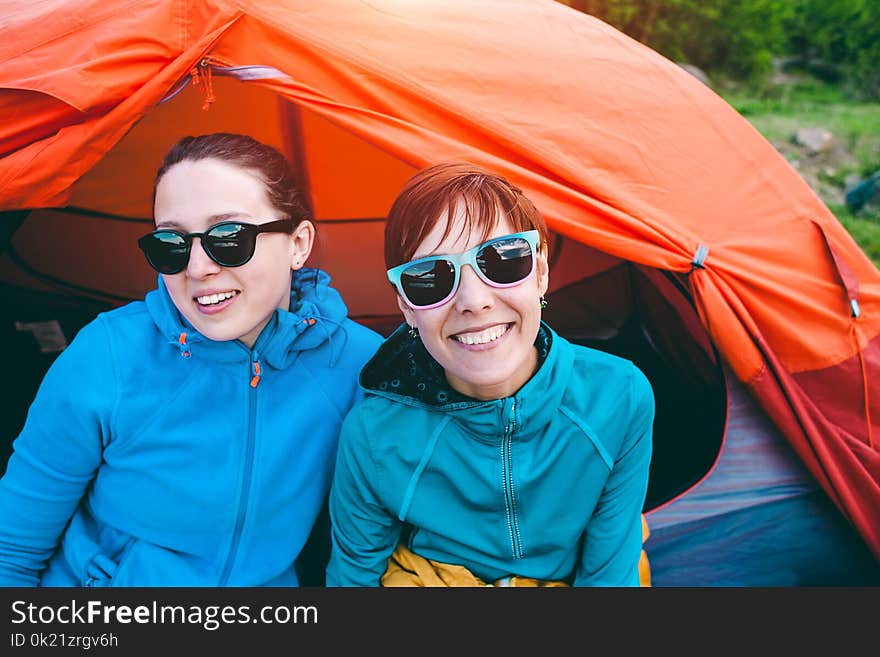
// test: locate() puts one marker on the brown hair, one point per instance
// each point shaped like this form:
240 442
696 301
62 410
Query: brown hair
437 190
246 152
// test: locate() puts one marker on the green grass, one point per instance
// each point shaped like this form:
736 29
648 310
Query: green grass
864 230
778 110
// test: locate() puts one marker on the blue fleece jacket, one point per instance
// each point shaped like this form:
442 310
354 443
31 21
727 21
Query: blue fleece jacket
151 456
548 483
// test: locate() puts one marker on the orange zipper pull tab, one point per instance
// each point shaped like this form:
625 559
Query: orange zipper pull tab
208 88
255 380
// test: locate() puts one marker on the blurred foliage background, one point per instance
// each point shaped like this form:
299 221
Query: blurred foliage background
784 65
838 40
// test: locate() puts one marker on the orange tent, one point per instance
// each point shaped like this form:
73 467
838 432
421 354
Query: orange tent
631 159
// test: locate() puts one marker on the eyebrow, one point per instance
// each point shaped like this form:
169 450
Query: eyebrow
213 219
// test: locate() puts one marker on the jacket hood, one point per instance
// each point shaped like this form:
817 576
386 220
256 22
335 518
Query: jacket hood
316 314
402 370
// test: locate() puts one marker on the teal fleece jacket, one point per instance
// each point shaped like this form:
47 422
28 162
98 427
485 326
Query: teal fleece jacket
148 458
548 483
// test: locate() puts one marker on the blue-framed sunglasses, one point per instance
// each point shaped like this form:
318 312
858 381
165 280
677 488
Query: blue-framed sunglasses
433 280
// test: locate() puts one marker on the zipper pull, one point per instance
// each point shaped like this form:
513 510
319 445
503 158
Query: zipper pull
508 406
255 379
204 67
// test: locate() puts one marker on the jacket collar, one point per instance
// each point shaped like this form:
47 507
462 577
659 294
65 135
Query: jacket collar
315 317
402 370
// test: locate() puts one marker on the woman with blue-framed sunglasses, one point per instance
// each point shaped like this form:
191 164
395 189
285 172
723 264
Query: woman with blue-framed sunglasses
188 439
487 448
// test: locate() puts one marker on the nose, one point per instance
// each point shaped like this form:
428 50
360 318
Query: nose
200 265
473 295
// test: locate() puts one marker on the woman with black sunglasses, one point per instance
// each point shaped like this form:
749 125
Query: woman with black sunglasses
188 439
487 449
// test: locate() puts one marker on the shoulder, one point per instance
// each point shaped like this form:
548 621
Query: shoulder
596 367
96 334
349 347
358 345
385 422
613 372
371 410
361 337
124 319
129 330
358 426
604 385
87 372
389 435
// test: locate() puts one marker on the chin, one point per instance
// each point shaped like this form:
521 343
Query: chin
215 333
487 382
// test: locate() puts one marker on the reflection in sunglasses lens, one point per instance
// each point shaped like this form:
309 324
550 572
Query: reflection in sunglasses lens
506 261
427 283
167 251
228 243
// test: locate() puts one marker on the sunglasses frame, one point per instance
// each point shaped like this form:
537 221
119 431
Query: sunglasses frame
279 226
458 260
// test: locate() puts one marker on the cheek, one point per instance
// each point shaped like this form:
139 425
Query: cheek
176 286
272 268
526 302
429 322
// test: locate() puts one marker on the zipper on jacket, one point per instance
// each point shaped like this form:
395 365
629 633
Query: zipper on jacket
507 483
248 466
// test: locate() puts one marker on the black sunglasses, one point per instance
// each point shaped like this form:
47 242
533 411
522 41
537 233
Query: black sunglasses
229 244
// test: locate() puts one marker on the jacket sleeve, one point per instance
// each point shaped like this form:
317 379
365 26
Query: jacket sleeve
55 456
363 532
612 543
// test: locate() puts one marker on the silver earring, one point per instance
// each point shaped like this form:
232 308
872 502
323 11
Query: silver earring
543 303
413 332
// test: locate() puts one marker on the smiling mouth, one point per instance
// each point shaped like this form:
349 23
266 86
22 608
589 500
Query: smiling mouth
214 299
482 337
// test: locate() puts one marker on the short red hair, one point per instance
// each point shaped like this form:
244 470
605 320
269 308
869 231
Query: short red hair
437 190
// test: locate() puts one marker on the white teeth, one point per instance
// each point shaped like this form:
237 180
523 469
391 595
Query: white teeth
489 335
211 299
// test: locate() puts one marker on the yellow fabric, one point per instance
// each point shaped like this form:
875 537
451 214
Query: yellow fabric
406 568
644 565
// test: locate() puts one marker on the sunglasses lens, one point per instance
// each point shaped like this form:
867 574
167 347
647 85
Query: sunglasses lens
506 261
427 283
230 244
166 251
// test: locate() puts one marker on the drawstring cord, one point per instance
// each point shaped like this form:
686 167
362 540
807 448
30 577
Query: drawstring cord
207 77
420 468
311 321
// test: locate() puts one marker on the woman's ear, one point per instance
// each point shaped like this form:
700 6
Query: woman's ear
542 270
302 239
